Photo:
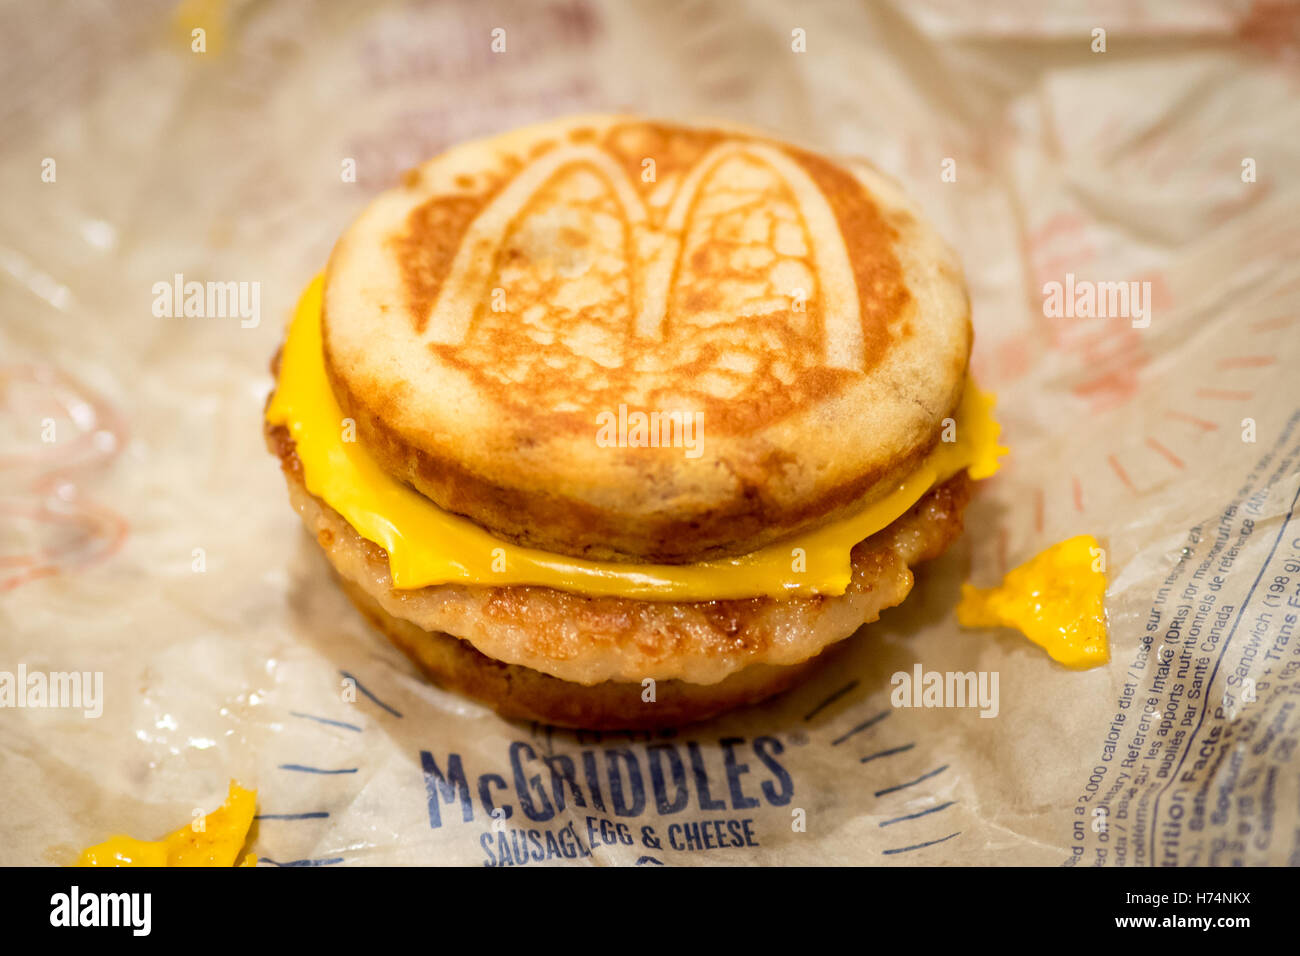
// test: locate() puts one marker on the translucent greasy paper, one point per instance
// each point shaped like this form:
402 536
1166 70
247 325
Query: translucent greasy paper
147 537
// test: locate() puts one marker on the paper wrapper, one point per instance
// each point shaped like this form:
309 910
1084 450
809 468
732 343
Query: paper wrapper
147 535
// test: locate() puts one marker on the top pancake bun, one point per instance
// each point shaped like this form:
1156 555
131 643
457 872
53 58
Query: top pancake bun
484 322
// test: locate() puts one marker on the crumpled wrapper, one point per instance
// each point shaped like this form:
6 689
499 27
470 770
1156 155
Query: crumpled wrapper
147 538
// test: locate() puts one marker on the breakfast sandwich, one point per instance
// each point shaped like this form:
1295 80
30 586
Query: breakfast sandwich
612 423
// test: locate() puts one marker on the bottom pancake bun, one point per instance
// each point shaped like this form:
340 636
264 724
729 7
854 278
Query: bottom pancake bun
524 694
572 660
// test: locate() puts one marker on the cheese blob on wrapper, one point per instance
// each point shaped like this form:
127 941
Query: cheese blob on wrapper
214 839
1056 599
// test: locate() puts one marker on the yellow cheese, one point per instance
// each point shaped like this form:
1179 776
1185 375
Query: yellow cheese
217 843
1056 599
427 545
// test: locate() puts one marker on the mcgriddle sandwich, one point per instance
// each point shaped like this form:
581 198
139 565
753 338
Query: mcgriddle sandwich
611 423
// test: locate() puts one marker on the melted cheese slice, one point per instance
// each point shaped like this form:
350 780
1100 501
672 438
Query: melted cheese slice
217 844
1056 599
427 545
